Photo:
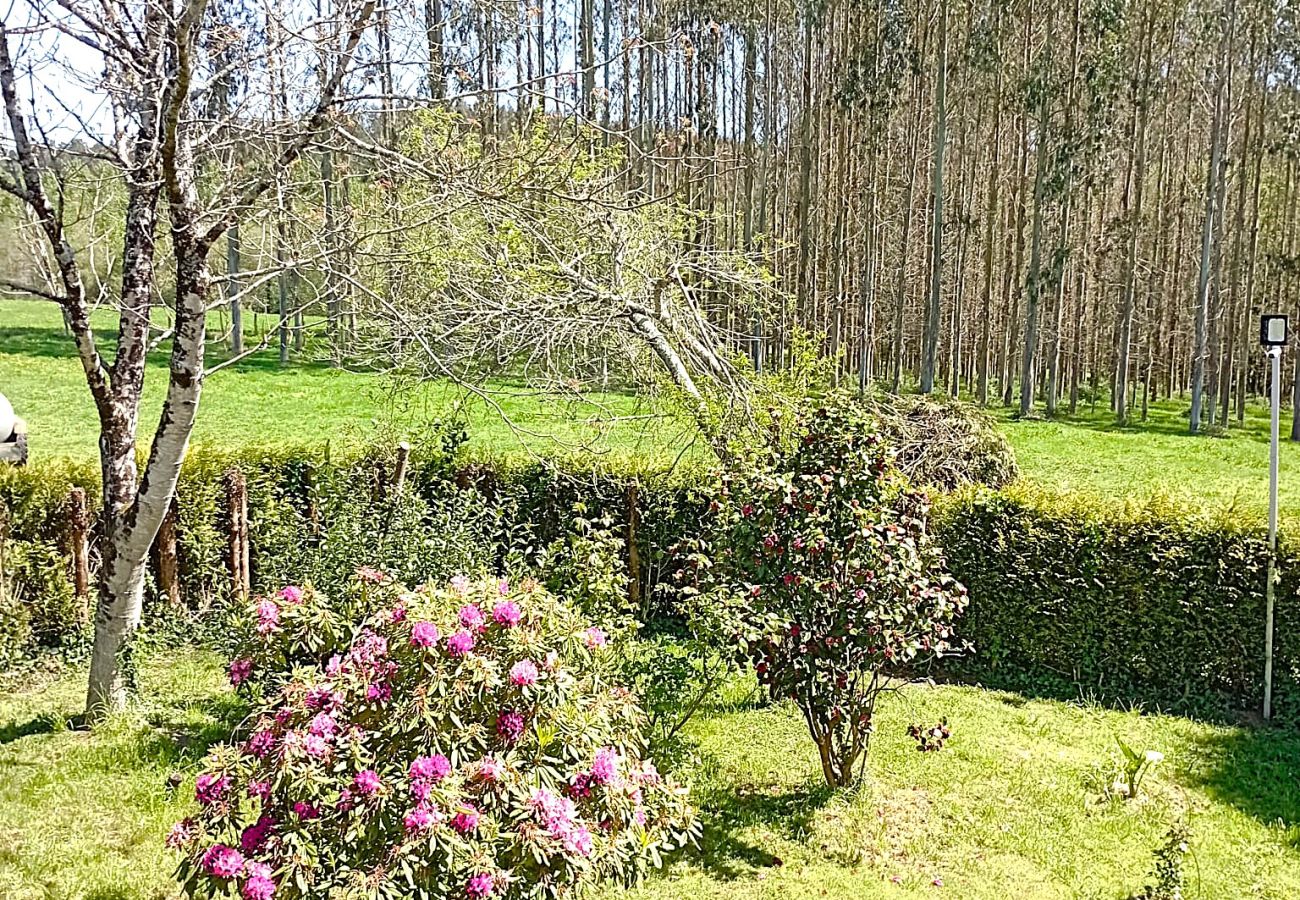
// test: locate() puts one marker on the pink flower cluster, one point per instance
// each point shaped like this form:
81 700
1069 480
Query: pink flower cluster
472 618
507 614
222 861
510 726
241 670
209 788
559 817
594 637
466 819
481 885
254 836
291 594
366 782
425 635
460 643
523 673
258 885
268 617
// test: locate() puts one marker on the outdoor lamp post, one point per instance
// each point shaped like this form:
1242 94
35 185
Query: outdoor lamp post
1273 336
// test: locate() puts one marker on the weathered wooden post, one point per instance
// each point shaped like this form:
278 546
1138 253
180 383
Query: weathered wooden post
169 582
399 473
78 546
633 554
237 532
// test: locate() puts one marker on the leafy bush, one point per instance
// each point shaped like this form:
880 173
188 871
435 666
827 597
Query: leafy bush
1153 605
466 744
841 581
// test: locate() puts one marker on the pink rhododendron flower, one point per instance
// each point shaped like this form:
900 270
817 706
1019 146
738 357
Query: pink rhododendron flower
322 696
480 885
291 594
260 789
240 671
523 673
593 637
323 724
379 692
510 726
433 768
503 586
507 613
366 782
334 666
210 787
397 613
472 617
181 835
419 819
316 746
460 643
490 769
259 885
580 785
370 575
305 811
605 767
254 836
222 861
459 584
466 820
424 634
577 840
639 816
268 617
260 744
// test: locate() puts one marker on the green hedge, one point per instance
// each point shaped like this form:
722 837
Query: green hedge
1150 605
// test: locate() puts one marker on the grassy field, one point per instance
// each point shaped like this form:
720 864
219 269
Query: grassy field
256 401
1013 807
259 402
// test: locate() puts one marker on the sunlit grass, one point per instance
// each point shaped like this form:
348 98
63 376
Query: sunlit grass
1012 807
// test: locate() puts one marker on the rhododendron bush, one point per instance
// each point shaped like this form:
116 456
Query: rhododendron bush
467 743
839 584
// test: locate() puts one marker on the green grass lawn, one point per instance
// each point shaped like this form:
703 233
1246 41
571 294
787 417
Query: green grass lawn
1013 807
259 402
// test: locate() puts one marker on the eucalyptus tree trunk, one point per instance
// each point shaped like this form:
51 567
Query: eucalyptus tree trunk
934 310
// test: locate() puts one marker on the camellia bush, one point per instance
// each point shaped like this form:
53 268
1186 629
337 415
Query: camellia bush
837 585
467 743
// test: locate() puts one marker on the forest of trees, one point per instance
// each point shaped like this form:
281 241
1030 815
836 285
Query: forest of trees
1038 204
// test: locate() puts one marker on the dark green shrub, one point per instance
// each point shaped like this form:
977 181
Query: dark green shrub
837 583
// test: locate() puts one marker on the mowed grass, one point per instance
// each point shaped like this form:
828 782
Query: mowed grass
1012 807
256 402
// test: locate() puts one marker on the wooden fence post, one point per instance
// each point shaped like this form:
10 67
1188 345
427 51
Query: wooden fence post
169 582
633 554
399 473
237 532
78 528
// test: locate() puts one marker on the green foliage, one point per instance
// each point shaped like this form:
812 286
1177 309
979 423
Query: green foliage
466 744
825 551
1168 875
1150 605
1134 768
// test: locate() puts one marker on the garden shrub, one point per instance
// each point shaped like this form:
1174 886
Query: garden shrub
840 582
467 744
1152 605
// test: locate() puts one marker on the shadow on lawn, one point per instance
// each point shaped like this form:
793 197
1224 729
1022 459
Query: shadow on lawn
729 810
1256 770
181 736
42 724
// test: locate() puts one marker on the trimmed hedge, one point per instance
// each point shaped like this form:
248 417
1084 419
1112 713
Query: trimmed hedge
1151 605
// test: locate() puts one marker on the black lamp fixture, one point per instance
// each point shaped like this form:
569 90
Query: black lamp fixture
1273 331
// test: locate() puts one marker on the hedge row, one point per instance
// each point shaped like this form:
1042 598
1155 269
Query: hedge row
1152 605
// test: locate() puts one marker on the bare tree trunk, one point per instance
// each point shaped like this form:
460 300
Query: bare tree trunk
934 309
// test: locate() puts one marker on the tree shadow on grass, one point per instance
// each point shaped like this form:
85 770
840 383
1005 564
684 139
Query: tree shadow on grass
42 724
181 736
1257 770
729 810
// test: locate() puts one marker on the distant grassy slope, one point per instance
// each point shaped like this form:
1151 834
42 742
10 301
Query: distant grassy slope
258 402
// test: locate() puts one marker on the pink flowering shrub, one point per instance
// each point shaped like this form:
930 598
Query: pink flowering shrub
298 626
466 744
